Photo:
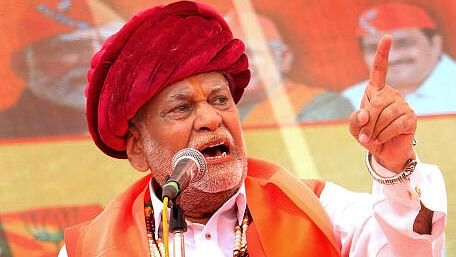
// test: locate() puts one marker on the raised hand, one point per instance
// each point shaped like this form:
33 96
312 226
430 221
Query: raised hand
385 124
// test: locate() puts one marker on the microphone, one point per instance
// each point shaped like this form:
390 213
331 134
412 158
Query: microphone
189 165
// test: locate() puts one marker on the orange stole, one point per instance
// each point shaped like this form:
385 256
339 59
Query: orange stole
288 220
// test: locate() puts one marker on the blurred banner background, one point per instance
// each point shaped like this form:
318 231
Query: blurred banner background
309 59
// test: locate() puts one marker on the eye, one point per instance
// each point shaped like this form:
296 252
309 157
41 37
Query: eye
370 48
220 100
183 108
404 43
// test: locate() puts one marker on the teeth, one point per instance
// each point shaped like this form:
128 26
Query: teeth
216 157
216 145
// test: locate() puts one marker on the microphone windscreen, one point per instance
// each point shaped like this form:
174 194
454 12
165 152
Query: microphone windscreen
196 156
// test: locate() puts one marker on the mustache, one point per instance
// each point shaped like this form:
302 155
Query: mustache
401 61
199 139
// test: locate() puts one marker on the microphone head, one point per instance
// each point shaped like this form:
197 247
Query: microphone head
194 155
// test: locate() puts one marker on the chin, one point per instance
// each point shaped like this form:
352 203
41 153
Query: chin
220 183
200 204
224 176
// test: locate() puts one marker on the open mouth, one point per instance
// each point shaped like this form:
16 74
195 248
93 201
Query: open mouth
215 151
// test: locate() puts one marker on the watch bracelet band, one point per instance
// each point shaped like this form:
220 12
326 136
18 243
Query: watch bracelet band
400 177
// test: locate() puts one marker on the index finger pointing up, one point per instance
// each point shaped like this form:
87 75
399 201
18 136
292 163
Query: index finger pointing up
379 69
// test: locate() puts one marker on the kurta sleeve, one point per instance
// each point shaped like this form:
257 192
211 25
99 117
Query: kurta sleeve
381 223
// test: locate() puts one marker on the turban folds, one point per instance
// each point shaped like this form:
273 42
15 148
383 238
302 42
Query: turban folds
392 16
155 49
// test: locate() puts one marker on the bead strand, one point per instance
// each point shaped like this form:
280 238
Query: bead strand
150 228
161 247
245 224
237 241
157 248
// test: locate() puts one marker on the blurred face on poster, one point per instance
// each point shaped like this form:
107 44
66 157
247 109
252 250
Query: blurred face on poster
414 55
55 68
282 57
281 54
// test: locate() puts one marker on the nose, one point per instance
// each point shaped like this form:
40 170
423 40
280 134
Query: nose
207 118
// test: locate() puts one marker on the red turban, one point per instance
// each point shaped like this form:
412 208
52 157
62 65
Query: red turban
391 16
156 48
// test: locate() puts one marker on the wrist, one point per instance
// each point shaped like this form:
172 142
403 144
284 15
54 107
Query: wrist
384 175
398 165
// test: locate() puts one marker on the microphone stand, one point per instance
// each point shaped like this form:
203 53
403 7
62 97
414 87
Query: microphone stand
178 226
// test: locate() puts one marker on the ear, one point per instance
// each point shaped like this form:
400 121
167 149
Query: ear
287 59
437 44
135 149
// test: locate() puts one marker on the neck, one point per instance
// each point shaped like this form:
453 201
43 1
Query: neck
199 220
198 211
199 206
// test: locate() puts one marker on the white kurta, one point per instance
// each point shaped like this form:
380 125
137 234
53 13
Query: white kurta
435 96
377 224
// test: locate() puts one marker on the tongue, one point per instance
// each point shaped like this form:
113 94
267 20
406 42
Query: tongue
212 152
217 151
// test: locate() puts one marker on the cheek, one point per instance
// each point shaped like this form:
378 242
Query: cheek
415 52
173 135
369 59
423 56
233 124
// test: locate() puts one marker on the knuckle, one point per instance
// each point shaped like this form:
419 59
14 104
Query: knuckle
391 112
392 92
405 123
368 129
396 92
353 123
381 137
378 65
413 120
377 102
353 116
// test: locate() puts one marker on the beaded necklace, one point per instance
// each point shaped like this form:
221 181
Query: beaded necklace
157 248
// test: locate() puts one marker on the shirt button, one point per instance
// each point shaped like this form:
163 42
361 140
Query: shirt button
208 236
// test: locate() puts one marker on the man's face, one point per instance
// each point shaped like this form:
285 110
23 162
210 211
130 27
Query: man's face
412 58
197 112
282 58
57 68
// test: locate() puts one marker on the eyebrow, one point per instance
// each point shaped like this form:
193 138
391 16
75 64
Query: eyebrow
184 94
218 87
187 93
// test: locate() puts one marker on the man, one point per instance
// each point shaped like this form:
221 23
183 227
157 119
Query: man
418 67
307 103
168 80
53 62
